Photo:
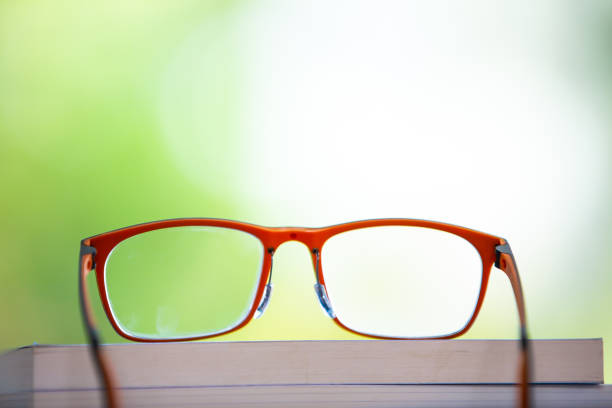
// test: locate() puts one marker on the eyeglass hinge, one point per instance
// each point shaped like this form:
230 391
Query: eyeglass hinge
499 250
86 250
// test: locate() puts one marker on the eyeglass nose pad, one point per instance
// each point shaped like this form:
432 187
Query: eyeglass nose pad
324 300
264 302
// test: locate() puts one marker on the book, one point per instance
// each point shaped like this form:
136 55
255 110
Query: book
327 396
306 373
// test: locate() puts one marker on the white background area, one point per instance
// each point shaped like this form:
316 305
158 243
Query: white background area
462 112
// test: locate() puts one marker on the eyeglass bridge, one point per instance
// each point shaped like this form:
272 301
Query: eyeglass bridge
318 287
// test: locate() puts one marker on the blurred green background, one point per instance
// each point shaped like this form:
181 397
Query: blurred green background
287 113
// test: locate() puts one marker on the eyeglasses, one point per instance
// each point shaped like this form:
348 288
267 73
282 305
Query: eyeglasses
196 278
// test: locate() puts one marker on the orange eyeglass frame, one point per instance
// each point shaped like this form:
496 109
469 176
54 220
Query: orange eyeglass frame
96 249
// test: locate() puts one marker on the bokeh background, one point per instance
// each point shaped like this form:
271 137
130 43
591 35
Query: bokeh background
491 115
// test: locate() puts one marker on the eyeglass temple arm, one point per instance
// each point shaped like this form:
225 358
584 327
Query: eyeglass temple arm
86 264
504 260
